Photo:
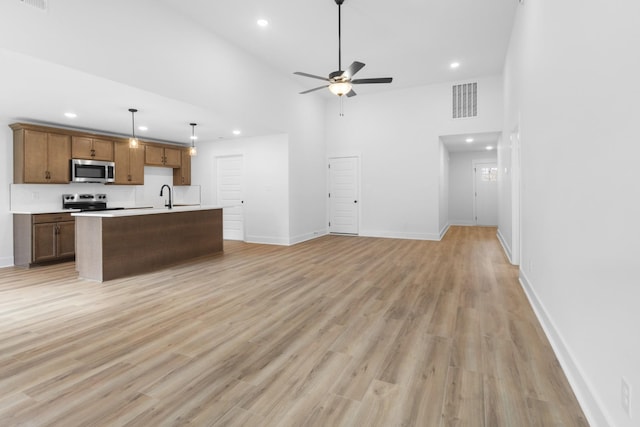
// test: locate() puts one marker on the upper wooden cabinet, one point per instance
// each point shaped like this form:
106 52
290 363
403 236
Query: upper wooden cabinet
40 157
129 164
155 155
182 175
83 147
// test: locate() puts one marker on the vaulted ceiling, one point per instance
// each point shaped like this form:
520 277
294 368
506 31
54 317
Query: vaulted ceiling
413 41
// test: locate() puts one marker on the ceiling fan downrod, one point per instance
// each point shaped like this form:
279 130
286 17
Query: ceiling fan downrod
339 3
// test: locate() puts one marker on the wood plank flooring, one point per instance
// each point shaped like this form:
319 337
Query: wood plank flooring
338 331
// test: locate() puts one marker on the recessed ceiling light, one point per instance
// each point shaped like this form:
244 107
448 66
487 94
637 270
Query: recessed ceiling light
262 22
454 65
489 147
469 140
143 128
236 132
71 115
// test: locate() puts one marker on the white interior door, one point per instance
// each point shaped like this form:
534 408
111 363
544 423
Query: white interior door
486 193
343 195
230 179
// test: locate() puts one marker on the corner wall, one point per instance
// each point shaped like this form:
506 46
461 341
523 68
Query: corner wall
570 78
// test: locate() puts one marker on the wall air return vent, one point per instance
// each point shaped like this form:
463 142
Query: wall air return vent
465 100
36 4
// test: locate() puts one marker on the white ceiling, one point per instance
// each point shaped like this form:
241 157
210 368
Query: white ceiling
480 141
413 41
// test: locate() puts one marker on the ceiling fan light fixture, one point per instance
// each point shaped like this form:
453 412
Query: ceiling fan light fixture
340 88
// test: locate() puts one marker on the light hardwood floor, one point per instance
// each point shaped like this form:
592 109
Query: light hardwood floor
338 331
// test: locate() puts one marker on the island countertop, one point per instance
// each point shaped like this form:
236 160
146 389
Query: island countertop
144 211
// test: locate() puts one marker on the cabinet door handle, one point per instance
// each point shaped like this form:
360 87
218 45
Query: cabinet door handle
128 177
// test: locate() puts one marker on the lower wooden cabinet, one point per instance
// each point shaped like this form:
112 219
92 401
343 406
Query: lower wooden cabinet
39 238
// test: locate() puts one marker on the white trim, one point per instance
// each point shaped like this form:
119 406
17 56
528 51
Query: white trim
589 401
516 191
505 245
6 262
462 222
267 240
307 236
444 231
358 187
474 166
399 235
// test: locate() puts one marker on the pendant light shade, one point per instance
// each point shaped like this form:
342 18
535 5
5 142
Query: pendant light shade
133 141
192 150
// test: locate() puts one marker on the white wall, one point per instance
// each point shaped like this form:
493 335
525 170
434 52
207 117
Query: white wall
266 183
444 188
397 135
461 188
570 82
6 177
149 51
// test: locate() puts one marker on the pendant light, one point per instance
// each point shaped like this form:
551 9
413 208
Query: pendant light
192 150
133 141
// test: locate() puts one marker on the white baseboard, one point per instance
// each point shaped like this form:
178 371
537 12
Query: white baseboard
266 240
505 246
308 236
399 235
462 222
6 262
444 231
583 389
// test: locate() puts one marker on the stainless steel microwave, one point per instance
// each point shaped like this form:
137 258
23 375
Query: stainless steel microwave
92 171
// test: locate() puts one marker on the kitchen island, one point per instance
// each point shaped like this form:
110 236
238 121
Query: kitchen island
120 243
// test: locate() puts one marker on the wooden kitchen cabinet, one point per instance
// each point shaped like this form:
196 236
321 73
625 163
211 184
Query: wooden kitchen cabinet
91 148
39 238
129 164
155 155
182 175
40 157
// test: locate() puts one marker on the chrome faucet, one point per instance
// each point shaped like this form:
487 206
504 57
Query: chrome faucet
168 205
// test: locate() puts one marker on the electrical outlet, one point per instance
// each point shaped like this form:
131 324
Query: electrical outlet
625 392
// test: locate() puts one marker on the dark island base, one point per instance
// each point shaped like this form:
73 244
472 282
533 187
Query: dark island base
109 248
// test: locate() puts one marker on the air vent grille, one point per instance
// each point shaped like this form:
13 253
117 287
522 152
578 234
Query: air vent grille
37 4
465 100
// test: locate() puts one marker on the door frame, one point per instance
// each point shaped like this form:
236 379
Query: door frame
358 188
474 164
516 191
244 198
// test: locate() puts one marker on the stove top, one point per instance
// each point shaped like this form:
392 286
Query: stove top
86 202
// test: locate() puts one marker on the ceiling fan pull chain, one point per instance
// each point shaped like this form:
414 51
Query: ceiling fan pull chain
341 106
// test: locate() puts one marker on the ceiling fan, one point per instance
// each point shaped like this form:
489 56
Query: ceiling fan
340 82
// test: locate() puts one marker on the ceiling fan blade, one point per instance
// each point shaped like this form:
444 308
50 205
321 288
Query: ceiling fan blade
314 89
300 73
368 81
353 69
351 93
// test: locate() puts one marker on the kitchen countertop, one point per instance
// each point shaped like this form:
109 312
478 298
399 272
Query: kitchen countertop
43 211
151 211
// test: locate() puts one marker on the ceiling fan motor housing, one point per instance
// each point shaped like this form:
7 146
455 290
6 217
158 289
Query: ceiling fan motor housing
336 75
